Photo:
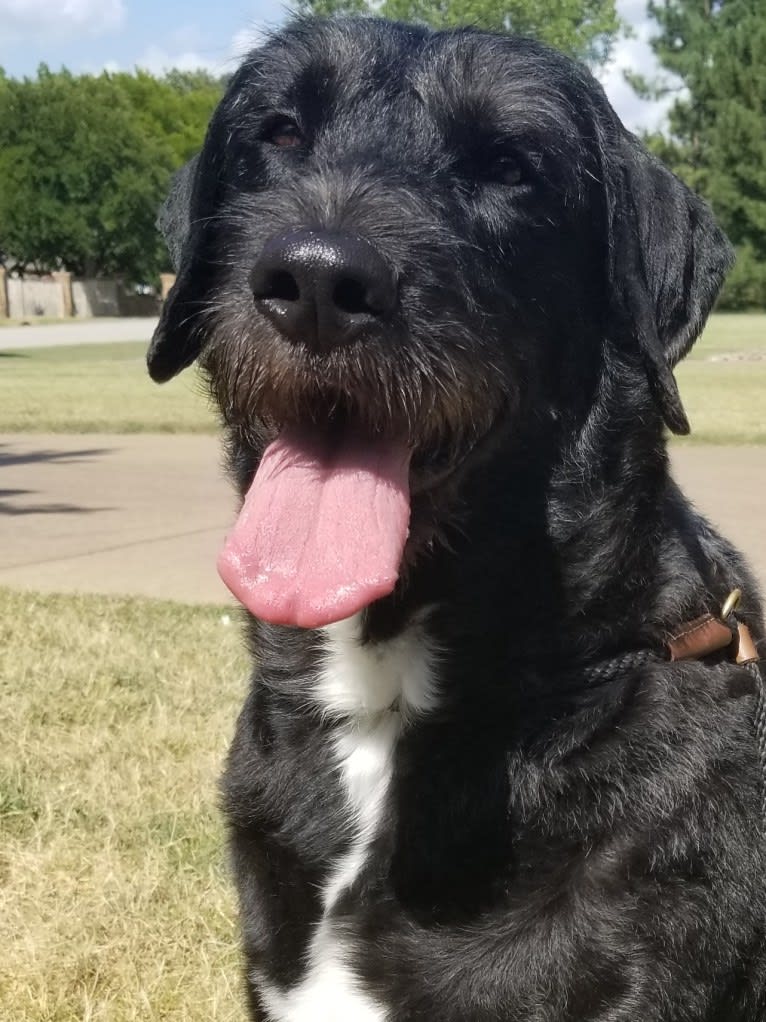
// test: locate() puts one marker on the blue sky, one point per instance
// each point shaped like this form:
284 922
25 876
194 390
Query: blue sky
90 35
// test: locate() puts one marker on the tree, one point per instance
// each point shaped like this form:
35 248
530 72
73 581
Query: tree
85 162
717 143
583 28
176 107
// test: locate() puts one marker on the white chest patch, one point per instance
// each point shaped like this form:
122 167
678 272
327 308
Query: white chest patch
373 691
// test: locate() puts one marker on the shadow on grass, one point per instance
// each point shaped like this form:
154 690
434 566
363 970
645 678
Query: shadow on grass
13 354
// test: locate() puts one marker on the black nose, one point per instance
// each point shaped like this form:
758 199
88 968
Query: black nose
323 289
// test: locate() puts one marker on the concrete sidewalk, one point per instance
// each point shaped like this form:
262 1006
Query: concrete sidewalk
147 515
100 330
143 515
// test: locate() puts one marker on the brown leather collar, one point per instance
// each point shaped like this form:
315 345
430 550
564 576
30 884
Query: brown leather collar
708 634
711 634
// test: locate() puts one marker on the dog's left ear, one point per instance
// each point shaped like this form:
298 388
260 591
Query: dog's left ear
166 356
667 261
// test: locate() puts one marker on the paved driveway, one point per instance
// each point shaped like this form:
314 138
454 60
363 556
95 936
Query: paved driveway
89 331
113 514
147 514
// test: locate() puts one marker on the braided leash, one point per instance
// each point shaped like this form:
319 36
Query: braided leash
605 670
760 731
746 655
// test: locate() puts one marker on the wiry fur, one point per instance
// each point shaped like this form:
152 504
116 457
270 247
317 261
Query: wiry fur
545 847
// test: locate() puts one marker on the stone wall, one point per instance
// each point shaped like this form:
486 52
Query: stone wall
95 298
58 296
33 297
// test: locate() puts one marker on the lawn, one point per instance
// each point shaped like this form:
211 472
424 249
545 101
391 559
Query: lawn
97 388
104 388
115 905
723 381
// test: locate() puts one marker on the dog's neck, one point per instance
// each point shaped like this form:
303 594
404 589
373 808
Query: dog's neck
554 547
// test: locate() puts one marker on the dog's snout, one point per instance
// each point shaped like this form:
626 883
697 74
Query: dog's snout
323 289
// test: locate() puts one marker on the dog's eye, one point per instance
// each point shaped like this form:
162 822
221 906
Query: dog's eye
507 171
283 133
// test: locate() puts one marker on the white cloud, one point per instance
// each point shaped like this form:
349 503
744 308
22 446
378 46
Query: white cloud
635 54
19 18
247 39
157 60
186 37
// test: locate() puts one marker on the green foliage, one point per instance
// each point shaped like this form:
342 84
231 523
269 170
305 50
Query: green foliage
328 8
718 125
85 161
746 284
584 28
175 108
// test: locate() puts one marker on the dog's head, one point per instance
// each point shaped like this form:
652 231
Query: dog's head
395 241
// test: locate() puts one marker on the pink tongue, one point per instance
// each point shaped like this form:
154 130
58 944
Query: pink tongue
322 530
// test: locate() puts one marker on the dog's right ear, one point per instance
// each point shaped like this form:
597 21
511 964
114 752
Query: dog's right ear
174 218
172 350
183 220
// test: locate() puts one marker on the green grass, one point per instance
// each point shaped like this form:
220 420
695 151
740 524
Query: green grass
723 381
96 388
105 388
731 332
115 905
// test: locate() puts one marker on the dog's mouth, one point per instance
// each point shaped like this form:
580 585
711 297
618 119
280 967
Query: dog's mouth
325 521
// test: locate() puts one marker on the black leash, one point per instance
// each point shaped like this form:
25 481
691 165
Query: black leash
760 731
747 656
755 666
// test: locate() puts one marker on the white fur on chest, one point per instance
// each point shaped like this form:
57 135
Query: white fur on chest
359 681
372 691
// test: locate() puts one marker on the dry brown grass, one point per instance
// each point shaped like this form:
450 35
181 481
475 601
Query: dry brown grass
114 900
97 388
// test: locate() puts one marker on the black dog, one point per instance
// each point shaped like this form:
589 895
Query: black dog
439 291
